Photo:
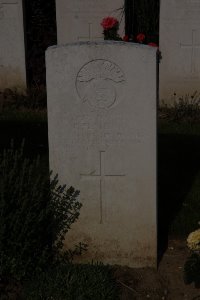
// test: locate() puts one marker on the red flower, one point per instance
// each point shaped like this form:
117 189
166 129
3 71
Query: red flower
126 38
109 23
140 37
152 44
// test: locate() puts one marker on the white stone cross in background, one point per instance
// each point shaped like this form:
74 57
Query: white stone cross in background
79 20
179 43
193 46
89 37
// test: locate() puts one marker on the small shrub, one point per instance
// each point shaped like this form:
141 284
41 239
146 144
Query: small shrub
35 214
34 98
186 108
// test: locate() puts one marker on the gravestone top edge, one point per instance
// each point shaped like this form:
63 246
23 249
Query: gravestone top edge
103 43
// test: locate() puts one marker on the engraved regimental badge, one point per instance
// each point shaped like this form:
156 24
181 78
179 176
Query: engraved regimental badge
97 83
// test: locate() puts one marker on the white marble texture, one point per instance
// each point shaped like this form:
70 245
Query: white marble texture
102 140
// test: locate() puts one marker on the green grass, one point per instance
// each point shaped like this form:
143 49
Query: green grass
68 281
25 115
180 128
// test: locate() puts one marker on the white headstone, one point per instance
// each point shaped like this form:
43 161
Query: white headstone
12 50
79 20
180 48
102 140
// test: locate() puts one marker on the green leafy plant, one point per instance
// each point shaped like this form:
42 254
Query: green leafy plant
35 215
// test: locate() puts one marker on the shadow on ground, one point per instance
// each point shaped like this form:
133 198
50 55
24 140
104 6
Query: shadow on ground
178 165
35 135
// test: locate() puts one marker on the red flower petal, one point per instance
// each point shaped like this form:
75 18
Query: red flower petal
152 44
109 23
140 37
126 38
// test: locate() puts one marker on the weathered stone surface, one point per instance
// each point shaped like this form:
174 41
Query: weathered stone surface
102 140
79 20
180 48
12 51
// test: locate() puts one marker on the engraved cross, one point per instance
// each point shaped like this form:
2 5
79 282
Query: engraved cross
101 177
192 46
89 37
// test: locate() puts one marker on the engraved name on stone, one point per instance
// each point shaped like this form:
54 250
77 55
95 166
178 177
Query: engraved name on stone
97 83
90 131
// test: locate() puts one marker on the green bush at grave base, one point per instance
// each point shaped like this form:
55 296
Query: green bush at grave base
35 214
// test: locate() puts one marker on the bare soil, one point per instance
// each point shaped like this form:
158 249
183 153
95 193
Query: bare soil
165 283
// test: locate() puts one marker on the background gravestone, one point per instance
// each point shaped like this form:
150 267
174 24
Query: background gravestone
12 50
180 48
79 20
102 140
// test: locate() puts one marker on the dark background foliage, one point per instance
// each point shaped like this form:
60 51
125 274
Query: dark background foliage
40 33
142 16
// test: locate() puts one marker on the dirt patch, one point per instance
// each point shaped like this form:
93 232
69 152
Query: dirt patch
166 283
